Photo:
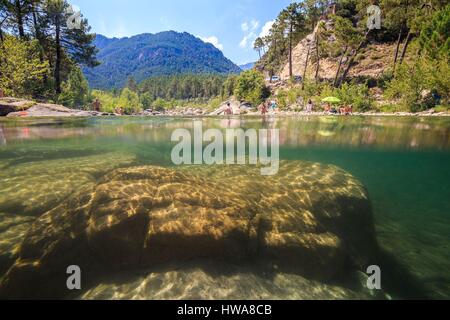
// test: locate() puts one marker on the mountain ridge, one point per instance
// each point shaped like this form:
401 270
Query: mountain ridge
148 55
247 66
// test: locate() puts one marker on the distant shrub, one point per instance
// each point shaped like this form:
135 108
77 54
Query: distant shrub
129 102
356 95
421 85
250 86
108 101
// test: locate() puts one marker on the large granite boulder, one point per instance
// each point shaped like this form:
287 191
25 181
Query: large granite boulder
51 110
310 219
13 229
9 105
14 107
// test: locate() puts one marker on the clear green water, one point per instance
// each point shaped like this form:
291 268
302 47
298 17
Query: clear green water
403 162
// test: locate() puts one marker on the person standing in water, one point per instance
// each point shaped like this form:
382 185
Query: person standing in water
263 108
228 110
96 105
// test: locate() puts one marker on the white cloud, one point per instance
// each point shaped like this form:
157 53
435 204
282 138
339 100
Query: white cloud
266 29
243 43
249 28
255 25
214 41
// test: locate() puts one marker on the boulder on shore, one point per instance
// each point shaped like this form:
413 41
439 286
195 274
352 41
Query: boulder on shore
310 219
12 107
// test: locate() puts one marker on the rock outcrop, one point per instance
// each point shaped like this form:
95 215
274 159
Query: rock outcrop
310 219
12 107
54 110
371 62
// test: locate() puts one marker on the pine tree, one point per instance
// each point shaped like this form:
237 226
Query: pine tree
75 91
294 19
17 14
21 71
129 102
76 42
258 45
132 84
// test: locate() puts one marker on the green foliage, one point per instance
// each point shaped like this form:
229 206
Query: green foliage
21 71
357 95
52 45
416 81
107 100
146 100
258 45
229 85
129 102
132 84
75 91
182 87
251 87
154 55
161 104
435 36
289 97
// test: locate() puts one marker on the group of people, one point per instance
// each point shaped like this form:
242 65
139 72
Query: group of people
344 110
268 106
272 106
328 108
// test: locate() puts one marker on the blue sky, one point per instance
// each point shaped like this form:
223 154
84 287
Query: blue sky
231 25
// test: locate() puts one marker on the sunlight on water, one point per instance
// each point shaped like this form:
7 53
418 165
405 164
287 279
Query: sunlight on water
302 234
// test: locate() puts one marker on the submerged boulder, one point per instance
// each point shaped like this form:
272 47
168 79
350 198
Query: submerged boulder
31 188
12 232
310 219
211 280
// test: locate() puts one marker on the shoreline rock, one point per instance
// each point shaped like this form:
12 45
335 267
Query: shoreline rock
13 107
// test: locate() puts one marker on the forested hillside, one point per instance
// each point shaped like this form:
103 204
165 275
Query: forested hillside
329 45
41 54
149 55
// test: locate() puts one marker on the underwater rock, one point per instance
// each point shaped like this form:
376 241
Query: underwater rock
33 188
310 219
208 280
13 229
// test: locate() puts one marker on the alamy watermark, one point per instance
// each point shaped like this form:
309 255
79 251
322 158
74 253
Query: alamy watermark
374 19
74 280
235 147
74 20
374 279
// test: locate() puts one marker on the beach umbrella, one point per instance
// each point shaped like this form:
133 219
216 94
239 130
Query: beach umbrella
331 100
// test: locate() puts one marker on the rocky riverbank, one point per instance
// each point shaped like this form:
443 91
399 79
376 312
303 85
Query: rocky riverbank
13 107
